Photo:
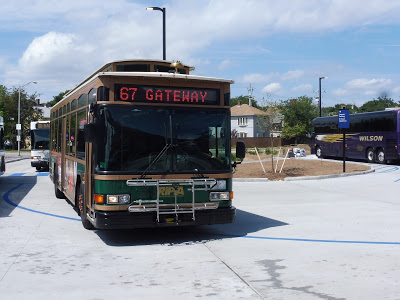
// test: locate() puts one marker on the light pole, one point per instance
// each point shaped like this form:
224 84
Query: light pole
320 105
164 43
19 116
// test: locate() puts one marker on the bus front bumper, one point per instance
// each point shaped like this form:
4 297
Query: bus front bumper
40 163
129 220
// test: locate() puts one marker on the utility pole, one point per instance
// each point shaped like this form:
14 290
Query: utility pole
250 90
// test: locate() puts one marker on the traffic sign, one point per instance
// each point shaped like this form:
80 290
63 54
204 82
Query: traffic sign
344 118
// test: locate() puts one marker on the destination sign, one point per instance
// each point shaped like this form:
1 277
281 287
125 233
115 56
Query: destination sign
42 125
166 95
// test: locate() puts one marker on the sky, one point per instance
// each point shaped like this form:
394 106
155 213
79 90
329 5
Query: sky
278 48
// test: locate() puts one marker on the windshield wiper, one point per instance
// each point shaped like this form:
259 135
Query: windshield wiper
166 147
189 161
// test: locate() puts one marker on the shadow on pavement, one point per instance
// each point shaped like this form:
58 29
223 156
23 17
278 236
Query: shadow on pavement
13 190
245 223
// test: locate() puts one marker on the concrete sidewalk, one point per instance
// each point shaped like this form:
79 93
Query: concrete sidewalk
13 155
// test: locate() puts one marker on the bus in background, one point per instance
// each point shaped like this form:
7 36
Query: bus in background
372 136
142 143
40 138
2 149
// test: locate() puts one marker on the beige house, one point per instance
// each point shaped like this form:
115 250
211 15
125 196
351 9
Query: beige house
248 121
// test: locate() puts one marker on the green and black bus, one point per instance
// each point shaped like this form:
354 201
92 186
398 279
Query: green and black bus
142 143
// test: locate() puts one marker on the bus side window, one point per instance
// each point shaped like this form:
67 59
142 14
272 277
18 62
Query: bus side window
72 135
59 135
103 93
80 144
67 136
92 96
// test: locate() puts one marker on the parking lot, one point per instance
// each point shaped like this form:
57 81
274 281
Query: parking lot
309 239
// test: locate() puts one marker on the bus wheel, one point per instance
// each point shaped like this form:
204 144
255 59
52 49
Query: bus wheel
318 152
370 155
83 209
38 168
380 156
59 194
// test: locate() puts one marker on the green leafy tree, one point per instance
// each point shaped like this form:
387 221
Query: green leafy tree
57 98
3 93
244 100
27 114
378 104
333 110
298 114
268 123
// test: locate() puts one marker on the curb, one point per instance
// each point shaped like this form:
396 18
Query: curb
251 179
329 176
16 159
305 177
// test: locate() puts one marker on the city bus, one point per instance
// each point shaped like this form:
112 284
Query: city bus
40 138
143 143
2 148
372 136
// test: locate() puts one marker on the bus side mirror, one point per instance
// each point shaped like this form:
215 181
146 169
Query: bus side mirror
240 150
89 131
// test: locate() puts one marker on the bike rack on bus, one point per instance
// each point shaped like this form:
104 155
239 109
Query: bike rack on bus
197 184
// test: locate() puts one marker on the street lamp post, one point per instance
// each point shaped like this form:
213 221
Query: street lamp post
163 10
19 116
320 102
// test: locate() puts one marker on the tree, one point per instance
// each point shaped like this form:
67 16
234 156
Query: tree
268 122
57 98
244 100
378 104
3 93
27 114
333 110
298 114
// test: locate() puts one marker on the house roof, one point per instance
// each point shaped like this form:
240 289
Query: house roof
246 110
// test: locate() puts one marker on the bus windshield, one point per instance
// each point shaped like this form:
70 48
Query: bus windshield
40 139
145 140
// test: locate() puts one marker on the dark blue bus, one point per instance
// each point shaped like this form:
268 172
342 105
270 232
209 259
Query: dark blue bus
372 136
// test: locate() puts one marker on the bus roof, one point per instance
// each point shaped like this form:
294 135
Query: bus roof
394 111
107 70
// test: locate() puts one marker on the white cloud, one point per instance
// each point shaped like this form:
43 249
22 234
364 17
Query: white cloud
396 90
272 88
303 88
290 75
75 37
364 86
225 64
256 78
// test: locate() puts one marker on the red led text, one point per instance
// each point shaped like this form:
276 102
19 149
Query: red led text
175 96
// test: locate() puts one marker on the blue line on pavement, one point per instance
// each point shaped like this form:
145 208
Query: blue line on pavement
16 174
319 241
389 170
43 174
7 200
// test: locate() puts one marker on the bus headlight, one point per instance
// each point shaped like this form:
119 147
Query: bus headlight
215 196
220 185
118 199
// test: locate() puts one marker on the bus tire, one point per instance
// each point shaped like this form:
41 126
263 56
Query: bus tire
318 152
380 156
57 192
83 209
370 155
